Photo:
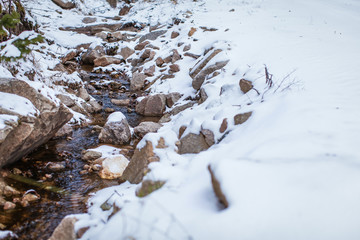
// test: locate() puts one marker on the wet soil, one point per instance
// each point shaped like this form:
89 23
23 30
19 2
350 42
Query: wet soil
39 220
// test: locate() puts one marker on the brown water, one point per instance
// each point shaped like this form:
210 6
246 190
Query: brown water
40 219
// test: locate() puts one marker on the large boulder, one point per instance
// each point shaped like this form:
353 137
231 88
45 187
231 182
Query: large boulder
138 165
31 128
116 130
113 167
92 54
137 81
152 106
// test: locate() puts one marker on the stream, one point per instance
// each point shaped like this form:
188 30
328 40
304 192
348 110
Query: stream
39 220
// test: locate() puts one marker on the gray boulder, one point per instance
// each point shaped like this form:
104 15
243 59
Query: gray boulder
152 106
116 130
145 127
137 81
152 35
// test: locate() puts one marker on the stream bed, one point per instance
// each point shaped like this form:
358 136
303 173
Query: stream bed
39 220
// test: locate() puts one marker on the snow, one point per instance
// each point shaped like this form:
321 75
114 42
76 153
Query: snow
4 73
5 119
115 117
17 105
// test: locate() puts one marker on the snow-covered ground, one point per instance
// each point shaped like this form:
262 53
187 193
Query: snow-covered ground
292 171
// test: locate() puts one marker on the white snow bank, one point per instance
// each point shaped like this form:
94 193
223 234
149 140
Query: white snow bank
17 104
4 73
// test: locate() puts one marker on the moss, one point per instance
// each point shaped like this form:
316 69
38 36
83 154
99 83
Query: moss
148 187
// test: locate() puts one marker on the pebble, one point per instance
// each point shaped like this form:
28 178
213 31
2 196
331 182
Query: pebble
9 205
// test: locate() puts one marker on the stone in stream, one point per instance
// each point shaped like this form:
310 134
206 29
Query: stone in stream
91 155
10 191
32 130
65 230
65 130
116 130
145 127
113 167
9 205
121 102
92 54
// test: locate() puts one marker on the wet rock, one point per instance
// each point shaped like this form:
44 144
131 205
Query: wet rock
95 106
224 125
56 166
16 171
2 201
116 130
10 191
172 98
174 68
241 118
65 230
30 197
91 155
192 143
217 188
126 52
124 10
141 45
121 102
9 205
145 127
148 187
138 165
152 35
105 61
88 20
137 81
65 130
209 136
109 110
32 132
92 54
199 79
66 100
192 31
245 85
83 94
174 34
152 106
113 167
159 62
64 4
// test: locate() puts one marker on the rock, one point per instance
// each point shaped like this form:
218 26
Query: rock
241 118
145 127
152 106
64 4
69 56
141 45
96 107
217 188
115 36
203 62
113 167
106 60
116 130
138 165
182 129
112 3
65 230
83 94
121 102
92 54
124 10
159 62
9 205
192 55
175 56
91 155
10 191
174 34
2 201
245 85
30 197
88 20
126 52
223 126
137 81
187 48
109 110
66 100
200 78
203 96
103 35
161 143
56 166
146 54
209 136
148 187
172 98
150 71
192 31
174 68
65 130
30 133
181 108
152 35
192 143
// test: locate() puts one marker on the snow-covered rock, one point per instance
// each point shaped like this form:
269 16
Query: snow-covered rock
113 167
116 130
